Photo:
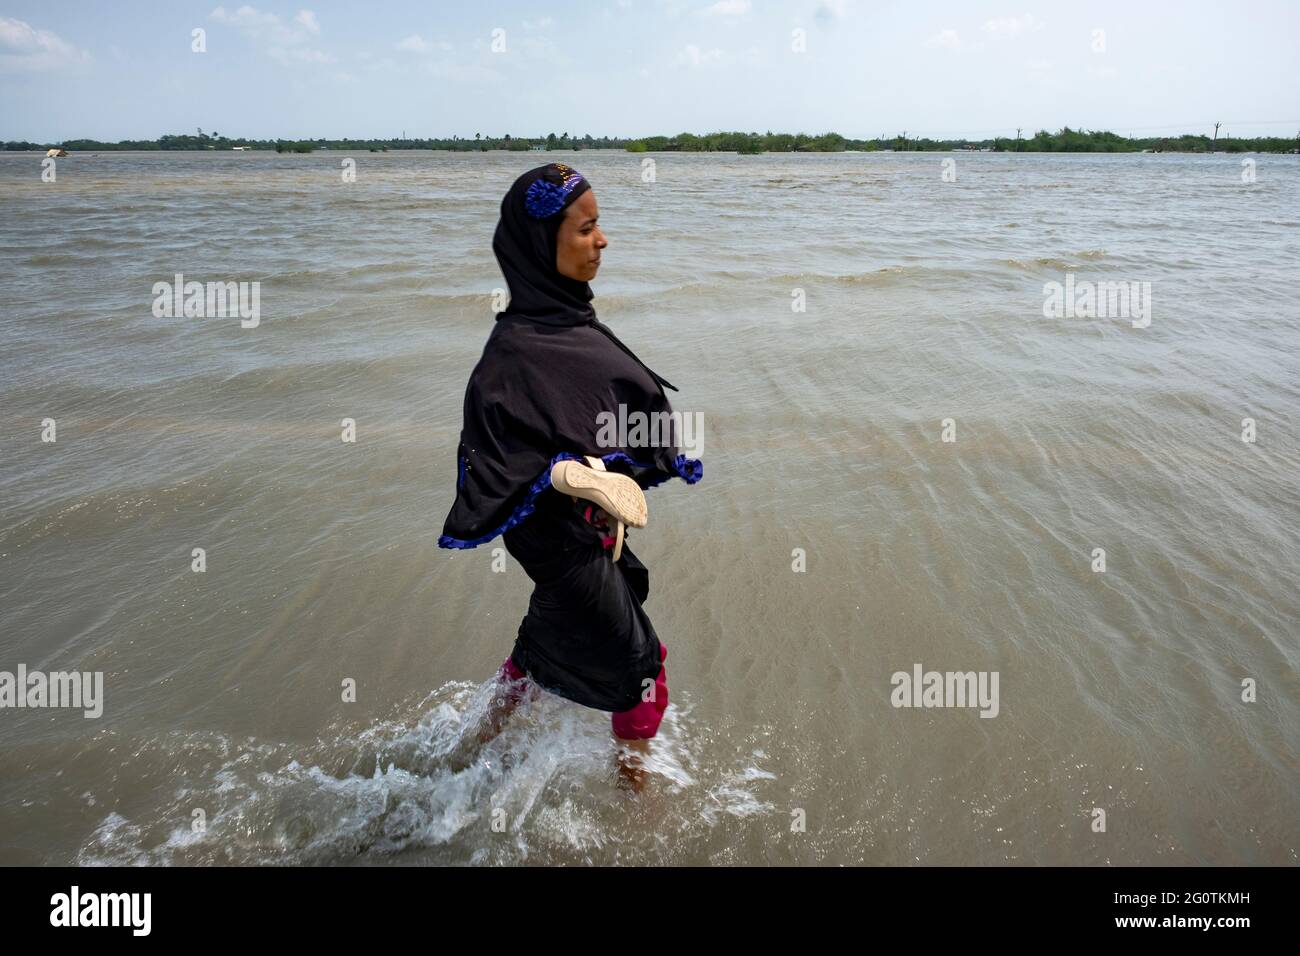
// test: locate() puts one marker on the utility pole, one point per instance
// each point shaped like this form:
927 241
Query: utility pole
1216 133
1018 147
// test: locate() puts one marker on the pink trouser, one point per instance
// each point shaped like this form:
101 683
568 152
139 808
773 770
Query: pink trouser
639 723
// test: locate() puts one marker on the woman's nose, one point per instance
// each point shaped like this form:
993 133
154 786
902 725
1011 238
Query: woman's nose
601 241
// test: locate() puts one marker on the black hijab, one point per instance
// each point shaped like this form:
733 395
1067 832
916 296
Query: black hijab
525 246
548 370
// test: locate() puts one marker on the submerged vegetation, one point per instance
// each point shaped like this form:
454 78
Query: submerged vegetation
1065 140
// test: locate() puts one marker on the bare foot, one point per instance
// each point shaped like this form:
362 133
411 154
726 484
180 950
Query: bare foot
506 696
632 773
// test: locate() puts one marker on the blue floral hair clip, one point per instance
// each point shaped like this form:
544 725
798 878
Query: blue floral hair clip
545 198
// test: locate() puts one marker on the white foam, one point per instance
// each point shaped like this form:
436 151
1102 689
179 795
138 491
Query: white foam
544 787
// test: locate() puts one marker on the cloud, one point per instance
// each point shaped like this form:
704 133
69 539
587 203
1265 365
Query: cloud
534 46
1039 66
284 42
1013 26
829 11
25 49
693 56
291 55
945 39
253 22
414 44
727 8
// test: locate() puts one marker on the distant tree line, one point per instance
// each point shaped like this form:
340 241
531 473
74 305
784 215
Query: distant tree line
1065 140
1100 141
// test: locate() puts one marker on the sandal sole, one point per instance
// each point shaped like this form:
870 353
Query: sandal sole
617 494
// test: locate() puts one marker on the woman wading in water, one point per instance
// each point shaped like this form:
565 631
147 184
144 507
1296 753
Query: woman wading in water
530 467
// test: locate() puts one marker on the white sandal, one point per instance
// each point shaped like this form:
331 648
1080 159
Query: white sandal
617 495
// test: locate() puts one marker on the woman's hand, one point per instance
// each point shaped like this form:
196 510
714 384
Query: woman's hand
596 517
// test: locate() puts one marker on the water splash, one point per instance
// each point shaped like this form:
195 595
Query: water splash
424 791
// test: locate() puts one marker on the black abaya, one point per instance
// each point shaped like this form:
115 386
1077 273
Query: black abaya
585 636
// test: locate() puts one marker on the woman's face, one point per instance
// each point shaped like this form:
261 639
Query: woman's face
579 241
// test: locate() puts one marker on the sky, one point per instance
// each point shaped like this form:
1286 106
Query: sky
861 68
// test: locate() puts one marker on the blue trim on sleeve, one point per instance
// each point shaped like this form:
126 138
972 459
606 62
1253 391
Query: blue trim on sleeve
525 508
689 470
